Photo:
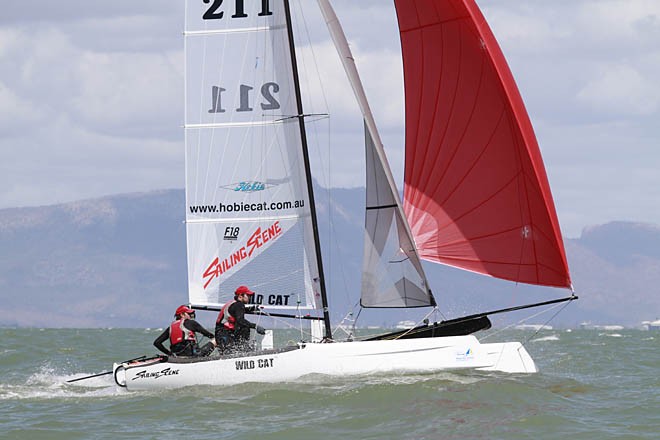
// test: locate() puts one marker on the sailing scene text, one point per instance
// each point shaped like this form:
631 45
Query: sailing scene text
258 238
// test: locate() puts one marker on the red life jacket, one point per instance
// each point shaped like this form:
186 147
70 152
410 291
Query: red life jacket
179 333
225 318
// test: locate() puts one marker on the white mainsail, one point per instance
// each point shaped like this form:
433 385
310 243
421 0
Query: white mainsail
248 206
392 274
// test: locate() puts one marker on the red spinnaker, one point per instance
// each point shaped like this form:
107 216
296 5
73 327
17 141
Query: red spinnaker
476 192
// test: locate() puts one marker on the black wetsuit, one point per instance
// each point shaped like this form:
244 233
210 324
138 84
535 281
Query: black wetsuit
239 338
186 348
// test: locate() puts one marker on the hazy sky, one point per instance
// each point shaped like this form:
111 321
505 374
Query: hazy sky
91 97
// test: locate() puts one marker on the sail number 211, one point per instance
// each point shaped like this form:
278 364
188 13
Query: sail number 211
213 12
267 92
268 89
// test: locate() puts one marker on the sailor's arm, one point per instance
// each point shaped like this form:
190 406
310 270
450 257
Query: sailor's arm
158 343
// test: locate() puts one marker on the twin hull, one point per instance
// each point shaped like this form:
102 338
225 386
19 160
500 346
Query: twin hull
334 359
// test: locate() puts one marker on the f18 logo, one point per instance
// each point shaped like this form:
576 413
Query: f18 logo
231 233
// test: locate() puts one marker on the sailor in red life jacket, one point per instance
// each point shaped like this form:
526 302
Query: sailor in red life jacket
181 333
232 330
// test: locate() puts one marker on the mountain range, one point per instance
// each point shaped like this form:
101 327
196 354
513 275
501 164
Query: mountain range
120 261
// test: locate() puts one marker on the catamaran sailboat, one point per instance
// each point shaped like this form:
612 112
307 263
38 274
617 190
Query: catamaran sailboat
476 195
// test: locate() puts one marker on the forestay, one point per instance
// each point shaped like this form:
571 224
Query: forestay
247 200
392 274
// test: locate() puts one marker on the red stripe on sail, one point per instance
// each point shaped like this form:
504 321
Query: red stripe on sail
476 192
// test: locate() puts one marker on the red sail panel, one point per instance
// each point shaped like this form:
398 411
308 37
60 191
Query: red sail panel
476 192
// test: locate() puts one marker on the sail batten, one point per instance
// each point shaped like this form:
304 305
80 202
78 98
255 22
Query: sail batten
393 205
236 124
476 192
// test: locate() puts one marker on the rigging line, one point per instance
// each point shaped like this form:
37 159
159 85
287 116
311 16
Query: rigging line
314 58
300 321
439 312
297 162
356 318
550 319
259 316
317 135
285 322
307 169
530 317
334 233
348 318
523 320
323 116
282 277
417 324
304 115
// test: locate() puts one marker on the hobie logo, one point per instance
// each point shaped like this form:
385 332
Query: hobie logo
248 186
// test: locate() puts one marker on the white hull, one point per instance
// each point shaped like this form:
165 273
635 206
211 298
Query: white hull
423 355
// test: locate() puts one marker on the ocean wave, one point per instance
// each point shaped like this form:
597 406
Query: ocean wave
49 384
547 338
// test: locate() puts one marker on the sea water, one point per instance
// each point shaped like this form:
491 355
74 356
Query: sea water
592 385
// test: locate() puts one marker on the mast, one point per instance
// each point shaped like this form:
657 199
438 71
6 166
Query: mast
308 174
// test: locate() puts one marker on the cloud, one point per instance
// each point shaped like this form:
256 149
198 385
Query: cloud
68 11
128 94
91 96
82 120
621 90
16 114
123 92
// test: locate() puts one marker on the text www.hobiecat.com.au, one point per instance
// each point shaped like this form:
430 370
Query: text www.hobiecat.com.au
246 207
